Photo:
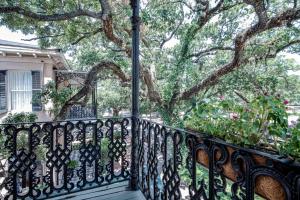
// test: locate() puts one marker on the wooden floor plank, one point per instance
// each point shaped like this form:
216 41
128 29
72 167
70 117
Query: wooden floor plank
132 195
103 189
118 191
116 196
108 193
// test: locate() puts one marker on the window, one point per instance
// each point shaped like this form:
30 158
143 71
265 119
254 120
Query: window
23 89
20 87
36 91
3 103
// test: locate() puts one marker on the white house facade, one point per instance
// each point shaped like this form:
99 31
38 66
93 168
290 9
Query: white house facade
24 69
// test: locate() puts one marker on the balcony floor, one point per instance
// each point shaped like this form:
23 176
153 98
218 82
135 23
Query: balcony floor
117 191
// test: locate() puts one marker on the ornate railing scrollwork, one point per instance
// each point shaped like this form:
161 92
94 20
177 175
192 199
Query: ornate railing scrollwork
44 160
190 165
56 158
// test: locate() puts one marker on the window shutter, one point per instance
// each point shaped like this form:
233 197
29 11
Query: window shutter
36 90
3 103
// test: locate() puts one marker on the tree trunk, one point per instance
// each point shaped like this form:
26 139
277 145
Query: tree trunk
116 112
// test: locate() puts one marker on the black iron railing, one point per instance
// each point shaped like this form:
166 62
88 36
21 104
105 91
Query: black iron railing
177 164
82 112
43 160
55 158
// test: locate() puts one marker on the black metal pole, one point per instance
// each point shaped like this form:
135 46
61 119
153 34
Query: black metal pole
135 92
95 103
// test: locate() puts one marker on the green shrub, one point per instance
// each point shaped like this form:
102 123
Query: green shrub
57 97
263 122
19 118
291 146
15 119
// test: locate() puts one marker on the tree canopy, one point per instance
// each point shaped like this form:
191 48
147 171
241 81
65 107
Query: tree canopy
191 49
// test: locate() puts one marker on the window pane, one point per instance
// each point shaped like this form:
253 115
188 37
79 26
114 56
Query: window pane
36 80
2 78
36 100
21 90
36 90
2 91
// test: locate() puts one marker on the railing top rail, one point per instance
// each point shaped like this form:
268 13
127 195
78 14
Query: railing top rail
67 120
252 150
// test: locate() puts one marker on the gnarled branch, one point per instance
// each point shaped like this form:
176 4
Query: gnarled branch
90 82
146 75
260 9
240 41
51 17
85 35
209 50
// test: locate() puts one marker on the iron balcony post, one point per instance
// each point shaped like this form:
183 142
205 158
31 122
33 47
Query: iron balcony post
135 92
94 106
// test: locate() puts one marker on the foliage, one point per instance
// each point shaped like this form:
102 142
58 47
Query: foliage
182 44
192 51
105 142
72 164
291 145
110 94
262 123
15 118
50 94
22 117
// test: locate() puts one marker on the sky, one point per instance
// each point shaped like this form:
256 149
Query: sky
6 34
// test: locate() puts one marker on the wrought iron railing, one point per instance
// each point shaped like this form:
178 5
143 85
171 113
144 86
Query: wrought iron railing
43 160
55 158
82 112
177 164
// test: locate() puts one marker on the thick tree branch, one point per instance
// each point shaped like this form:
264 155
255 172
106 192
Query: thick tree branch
87 34
51 17
283 47
89 84
108 30
260 9
108 27
148 80
240 42
191 33
106 9
145 72
202 21
206 51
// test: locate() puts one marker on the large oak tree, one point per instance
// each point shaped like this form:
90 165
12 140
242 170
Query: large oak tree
190 48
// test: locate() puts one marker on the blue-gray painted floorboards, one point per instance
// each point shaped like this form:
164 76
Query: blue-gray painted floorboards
118 191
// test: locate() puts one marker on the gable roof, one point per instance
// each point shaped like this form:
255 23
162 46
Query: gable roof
17 44
16 49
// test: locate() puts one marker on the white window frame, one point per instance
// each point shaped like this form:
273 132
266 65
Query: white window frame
9 91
